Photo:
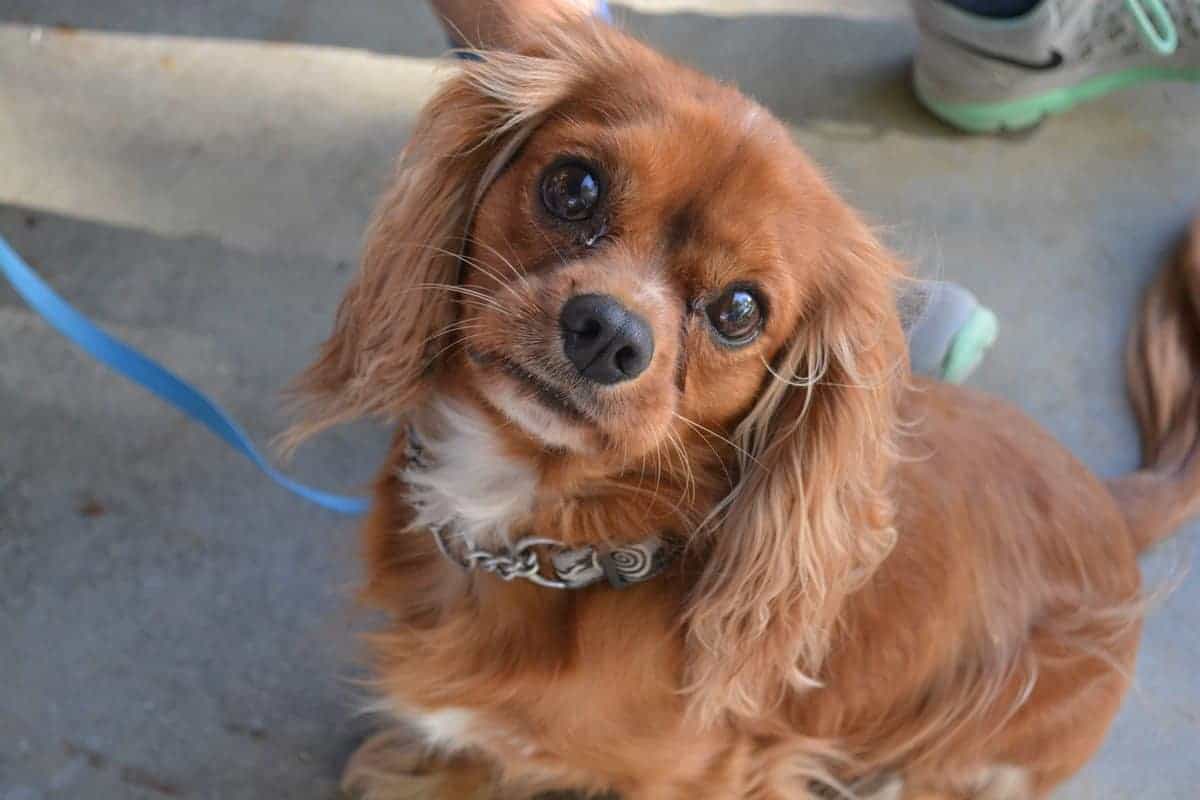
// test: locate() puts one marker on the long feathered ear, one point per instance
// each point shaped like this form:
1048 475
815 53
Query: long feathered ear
378 360
810 518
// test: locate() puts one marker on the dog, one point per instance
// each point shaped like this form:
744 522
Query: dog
665 514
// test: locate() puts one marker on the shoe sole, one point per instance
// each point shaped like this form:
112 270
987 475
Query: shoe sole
1017 115
970 345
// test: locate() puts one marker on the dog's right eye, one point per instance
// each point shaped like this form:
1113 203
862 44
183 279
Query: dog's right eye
570 191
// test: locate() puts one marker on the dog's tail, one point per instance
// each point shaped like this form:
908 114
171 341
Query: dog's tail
1163 372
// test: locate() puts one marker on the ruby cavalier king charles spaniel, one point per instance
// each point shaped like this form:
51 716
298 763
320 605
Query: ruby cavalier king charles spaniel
666 516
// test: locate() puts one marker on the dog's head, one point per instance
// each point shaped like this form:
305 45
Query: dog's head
610 251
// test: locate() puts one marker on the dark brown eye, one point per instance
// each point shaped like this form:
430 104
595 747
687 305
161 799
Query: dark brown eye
570 191
736 315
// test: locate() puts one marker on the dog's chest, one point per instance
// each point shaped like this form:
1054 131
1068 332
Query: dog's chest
465 481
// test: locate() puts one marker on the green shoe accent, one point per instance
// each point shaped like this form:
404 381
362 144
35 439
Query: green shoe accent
1159 32
1014 115
969 345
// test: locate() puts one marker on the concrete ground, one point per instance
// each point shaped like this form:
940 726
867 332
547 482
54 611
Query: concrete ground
196 177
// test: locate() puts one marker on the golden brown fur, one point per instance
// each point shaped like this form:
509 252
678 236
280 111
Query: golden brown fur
890 587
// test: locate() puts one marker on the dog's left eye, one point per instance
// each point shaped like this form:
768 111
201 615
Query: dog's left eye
570 191
736 315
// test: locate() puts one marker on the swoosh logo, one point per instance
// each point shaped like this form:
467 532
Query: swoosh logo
1053 61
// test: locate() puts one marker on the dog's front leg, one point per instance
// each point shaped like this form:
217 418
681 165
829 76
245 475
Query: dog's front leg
395 764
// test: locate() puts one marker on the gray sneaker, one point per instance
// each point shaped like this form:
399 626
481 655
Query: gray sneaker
989 75
948 330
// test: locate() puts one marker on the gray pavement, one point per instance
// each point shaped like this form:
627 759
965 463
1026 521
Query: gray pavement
196 176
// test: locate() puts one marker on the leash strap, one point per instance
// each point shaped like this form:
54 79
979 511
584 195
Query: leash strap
131 364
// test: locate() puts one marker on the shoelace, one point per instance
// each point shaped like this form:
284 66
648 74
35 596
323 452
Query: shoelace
1155 24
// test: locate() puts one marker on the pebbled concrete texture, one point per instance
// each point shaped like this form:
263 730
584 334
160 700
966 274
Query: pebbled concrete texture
196 177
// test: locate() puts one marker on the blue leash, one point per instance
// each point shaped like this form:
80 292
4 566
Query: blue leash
123 359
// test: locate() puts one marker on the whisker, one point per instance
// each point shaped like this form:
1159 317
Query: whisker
689 478
486 299
519 274
700 429
658 472
703 430
454 327
487 271
472 261
447 287
464 290
460 340
446 349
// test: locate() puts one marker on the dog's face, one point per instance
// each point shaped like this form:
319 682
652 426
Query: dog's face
607 251
625 282
604 247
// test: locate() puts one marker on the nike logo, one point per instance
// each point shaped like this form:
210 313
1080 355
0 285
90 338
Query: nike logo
1053 61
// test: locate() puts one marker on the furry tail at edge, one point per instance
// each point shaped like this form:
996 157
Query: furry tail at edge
1163 373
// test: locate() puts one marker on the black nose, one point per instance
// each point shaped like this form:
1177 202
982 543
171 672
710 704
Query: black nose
605 341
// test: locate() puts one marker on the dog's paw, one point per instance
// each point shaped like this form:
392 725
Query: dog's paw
394 765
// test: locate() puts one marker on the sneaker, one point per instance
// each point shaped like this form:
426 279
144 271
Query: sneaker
948 331
990 75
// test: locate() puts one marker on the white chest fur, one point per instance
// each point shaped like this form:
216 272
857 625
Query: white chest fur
452 729
447 729
467 483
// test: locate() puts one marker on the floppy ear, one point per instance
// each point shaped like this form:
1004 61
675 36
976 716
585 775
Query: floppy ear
810 518
379 359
